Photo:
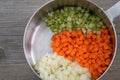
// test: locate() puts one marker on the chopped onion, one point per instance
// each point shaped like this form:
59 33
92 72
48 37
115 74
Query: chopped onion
54 67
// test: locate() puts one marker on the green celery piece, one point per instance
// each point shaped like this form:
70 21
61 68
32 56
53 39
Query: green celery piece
54 28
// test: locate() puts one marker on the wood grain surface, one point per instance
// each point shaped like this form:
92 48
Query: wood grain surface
14 15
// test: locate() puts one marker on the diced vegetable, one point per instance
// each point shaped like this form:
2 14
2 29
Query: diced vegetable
54 67
73 18
91 50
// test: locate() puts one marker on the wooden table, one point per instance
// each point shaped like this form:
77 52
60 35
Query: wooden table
14 15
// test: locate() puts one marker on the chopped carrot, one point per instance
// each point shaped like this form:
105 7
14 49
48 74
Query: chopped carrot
92 51
70 58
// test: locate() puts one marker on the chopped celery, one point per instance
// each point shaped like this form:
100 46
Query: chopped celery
73 18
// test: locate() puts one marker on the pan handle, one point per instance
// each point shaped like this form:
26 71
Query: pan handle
114 11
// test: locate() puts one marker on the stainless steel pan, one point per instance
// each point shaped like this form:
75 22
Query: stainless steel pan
37 36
